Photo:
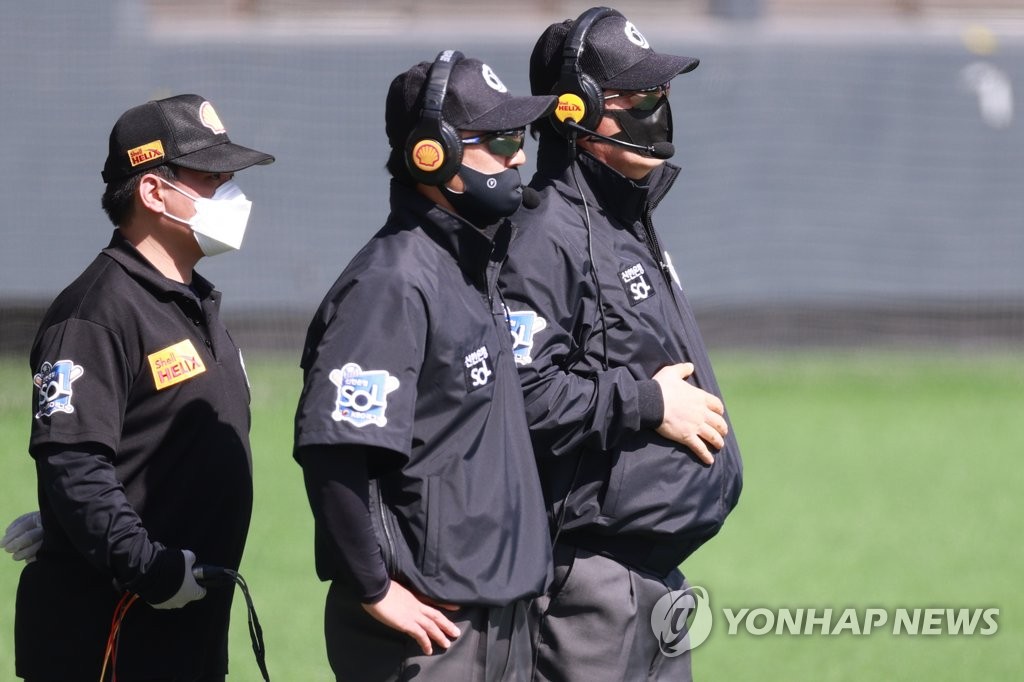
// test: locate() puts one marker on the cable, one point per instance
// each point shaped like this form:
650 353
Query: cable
658 150
590 253
110 652
213 575
560 521
204 575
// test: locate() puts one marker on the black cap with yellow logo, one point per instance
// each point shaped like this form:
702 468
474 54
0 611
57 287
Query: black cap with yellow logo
183 130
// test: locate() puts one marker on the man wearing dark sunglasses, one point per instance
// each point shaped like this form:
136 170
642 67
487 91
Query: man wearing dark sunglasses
410 428
637 459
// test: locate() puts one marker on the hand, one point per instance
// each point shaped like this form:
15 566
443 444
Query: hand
189 591
693 417
402 610
24 537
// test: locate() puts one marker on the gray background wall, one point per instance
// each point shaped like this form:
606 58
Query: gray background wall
841 180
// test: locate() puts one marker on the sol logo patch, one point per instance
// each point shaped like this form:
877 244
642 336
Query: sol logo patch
175 364
634 282
478 369
53 384
362 395
524 325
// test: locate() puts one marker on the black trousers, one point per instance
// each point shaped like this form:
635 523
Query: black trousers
594 625
494 645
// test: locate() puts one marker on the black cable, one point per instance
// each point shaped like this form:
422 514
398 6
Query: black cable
590 255
214 575
560 521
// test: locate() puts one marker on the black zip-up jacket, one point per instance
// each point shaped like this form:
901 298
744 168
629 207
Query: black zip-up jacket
407 363
612 484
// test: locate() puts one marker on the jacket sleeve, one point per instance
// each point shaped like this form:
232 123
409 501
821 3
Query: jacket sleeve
75 435
572 399
91 507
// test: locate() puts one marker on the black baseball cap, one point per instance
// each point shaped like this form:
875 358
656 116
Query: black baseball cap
615 54
184 131
476 99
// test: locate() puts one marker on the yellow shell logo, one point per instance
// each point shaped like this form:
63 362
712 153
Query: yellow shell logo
427 155
570 106
210 119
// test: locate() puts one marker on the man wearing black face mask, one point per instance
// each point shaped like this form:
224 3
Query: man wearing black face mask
410 428
637 460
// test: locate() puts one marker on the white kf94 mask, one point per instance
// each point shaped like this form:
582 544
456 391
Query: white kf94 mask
220 221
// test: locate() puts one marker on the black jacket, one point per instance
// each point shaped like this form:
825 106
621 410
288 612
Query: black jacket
414 325
141 440
628 493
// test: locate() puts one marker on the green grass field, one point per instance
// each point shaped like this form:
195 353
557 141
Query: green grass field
873 480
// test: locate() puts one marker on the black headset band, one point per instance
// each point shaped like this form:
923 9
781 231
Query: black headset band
572 49
437 83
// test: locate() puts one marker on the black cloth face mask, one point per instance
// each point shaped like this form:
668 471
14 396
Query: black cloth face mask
644 128
486 199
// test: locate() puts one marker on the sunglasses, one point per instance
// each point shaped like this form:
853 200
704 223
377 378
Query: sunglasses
502 142
643 100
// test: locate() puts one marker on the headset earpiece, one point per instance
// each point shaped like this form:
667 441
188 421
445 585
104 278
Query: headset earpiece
580 98
433 151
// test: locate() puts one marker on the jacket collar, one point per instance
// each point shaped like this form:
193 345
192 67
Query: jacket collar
474 249
620 197
141 270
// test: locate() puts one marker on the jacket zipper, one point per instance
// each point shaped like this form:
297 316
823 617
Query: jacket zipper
389 554
654 246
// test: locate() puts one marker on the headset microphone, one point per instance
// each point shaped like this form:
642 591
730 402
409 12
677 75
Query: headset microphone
531 199
658 150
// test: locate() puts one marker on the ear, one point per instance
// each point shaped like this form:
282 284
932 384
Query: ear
150 193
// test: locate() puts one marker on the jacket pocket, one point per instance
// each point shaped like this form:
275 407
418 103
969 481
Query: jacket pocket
430 563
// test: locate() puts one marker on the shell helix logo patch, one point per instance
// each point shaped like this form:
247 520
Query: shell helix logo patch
428 155
570 106
362 397
524 325
175 364
53 387
146 152
636 285
209 118
479 369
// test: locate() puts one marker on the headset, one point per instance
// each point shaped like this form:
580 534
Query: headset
433 150
580 98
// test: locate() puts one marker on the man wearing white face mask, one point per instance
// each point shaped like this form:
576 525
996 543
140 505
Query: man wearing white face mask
141 419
